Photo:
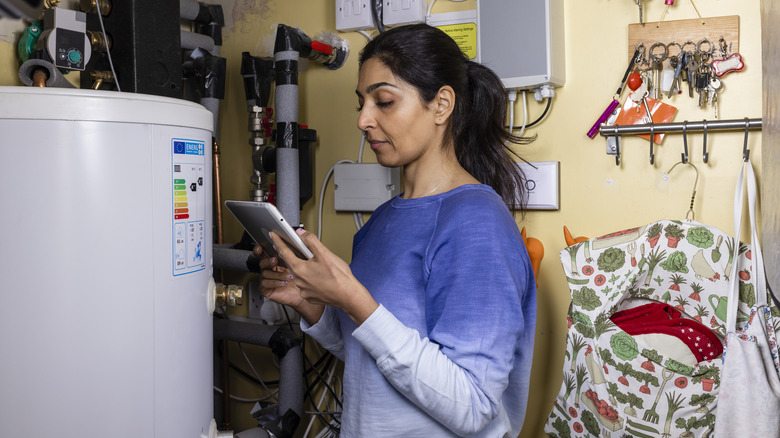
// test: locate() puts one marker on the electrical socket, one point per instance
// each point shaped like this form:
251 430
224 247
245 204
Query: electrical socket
353 15
403 12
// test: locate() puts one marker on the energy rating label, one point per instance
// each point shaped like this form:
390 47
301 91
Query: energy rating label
188 205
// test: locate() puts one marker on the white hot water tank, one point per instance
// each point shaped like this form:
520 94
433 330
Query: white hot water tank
106 261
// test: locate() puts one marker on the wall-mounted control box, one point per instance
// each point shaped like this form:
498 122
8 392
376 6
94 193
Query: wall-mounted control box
522 41
364 186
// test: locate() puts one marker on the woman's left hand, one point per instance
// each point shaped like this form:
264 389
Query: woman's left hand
326 278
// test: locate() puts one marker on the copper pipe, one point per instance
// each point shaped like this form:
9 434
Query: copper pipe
225 368
217 192
39 77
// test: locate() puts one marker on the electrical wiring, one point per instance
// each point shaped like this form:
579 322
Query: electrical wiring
546 109
376 6
322 195
525 115
243 399
317 406
108 50
271 393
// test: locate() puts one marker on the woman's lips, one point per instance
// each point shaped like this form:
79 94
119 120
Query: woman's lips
376 144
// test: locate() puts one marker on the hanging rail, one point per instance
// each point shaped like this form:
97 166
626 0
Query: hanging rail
702 125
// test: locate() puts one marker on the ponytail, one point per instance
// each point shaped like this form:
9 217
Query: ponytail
481 140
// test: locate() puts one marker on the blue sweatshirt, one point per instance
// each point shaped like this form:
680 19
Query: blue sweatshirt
448 352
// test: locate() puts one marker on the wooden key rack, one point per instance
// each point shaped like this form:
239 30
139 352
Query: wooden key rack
681 31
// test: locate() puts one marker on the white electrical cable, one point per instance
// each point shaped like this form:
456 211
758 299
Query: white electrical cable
362 145
366 34
108 51
511 97
525 116
322 195
430 8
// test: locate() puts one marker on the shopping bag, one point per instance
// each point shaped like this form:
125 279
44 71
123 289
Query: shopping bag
642 378
749 398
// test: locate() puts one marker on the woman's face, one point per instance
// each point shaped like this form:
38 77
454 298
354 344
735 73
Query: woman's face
400 128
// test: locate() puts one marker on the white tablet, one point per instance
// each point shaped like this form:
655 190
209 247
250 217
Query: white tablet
260 218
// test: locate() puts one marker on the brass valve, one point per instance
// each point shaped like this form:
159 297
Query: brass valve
230 295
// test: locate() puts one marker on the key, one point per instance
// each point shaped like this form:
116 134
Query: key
713 88
658 65
648 118
692 66
702 81
677 65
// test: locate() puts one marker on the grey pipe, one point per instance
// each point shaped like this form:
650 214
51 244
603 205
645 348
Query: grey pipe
286 102
56 79
192 41
189 9
284 344
238 260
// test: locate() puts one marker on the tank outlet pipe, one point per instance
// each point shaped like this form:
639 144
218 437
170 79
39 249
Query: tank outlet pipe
231 259
210 71
31 71
286 345
209 18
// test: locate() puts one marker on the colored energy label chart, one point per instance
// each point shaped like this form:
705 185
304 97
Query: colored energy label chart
189 206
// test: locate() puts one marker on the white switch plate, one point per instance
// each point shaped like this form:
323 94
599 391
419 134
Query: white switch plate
353 15
403 12
542 184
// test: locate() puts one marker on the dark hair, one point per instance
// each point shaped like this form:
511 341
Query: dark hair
428 59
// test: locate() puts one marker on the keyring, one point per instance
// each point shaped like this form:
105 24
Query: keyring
673 44
653 56
689 42
709 52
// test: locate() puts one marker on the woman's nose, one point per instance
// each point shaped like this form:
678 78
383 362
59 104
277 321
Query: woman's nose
364 121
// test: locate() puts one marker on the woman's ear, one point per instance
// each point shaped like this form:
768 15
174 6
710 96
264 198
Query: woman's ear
445 104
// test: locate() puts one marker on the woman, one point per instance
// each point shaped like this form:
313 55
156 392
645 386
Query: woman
435 316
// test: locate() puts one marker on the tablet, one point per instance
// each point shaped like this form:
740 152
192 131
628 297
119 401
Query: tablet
260 218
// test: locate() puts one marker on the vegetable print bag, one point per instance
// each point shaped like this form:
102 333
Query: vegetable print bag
749 400
646 325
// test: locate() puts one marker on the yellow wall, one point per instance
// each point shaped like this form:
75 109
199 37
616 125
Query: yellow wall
597 197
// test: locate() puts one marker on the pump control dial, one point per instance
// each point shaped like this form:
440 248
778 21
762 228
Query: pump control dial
74 56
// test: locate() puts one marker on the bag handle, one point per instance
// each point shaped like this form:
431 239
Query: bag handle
757 259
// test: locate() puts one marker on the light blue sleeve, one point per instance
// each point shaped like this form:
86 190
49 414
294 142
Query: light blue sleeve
327 332
422 373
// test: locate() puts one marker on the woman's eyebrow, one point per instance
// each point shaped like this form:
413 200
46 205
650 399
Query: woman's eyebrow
373 87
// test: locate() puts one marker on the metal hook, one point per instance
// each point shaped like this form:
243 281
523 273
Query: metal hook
617 145
745 150
652 140
685 142
706 155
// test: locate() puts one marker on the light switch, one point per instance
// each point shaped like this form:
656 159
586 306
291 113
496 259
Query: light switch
542 184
